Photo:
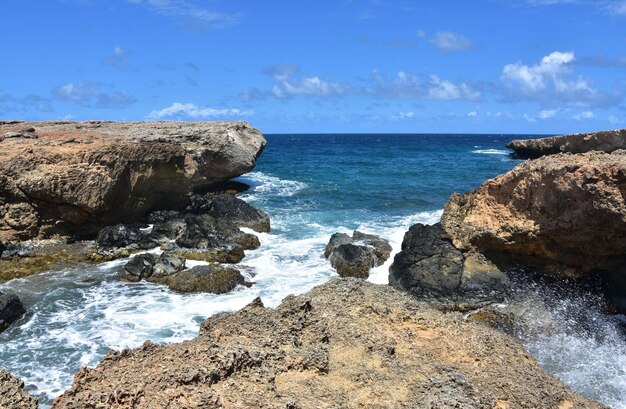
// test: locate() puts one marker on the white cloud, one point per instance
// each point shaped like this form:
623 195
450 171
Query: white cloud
537 77
529 118
118 59
403 115
309 86
449 41
473 113
547 113
92 95
407 85
178 110
584 115
188 9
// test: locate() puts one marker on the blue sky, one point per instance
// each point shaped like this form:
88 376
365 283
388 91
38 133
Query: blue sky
490 66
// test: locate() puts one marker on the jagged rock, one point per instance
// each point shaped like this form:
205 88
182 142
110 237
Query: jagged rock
112 172
347 343
355 256
232 209
123 236
167 265
212 278
12 393
564 214
11 309
139 267
430 267
604 141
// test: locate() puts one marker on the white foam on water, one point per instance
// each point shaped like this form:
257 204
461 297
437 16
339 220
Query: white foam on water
492 151
264 184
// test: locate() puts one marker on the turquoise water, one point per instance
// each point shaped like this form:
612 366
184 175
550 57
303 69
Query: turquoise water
312 186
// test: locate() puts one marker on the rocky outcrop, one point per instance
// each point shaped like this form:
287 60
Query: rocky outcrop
76 178
565 214
431 268
12 393
347 343
604 141
231 209
355 256
11 309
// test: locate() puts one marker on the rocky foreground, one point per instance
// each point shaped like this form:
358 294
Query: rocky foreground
70 179
347 343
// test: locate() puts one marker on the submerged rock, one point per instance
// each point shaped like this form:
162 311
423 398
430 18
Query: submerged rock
604 141
430 267
355 256
12 393
112 172
11 309
347 343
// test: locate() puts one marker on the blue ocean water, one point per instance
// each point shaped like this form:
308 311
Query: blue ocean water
312 186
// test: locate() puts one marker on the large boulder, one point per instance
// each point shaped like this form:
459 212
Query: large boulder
564 214
76 178
430 267
212 278
355 256
232 209
604 141
347 343
11 309
12 393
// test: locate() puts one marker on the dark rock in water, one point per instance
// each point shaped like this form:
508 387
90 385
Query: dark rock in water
352 261
430 267
140 267
13 394
230 208
603 141
167 265
354 256
123 236
10 250
212 278
11 309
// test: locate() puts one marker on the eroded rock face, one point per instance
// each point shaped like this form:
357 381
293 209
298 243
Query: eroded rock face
431 268
565 214
11 309
347 343
230 208
12 393
603 141
76 178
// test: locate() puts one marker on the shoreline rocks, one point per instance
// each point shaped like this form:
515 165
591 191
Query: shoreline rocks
603 141
355 256
345 343
11 309
77 178
12 393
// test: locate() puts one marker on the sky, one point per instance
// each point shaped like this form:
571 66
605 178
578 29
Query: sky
371 66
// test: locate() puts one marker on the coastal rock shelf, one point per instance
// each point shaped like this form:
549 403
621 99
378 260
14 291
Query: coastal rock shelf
347 343
603 141
72 179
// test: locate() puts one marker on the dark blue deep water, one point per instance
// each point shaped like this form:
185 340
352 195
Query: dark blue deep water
312 186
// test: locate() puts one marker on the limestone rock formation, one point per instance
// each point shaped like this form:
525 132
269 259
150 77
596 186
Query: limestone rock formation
11 309
345 344
12 393
355 256
604 141
565 214
431 268
75 178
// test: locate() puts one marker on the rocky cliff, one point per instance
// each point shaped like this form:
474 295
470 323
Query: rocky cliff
347 343
603 141
565 213
71 179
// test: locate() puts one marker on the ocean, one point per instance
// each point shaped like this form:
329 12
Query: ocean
312 186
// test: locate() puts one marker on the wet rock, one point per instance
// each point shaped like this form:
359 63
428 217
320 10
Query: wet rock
13 394
430 267
232 209
355 256
347 343
139 267
352 261
212 278
9 251
167 265
603 141
123 236
11 309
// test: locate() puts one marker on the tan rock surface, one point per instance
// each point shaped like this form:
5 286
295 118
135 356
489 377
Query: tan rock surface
345 344
564 212
75 177
603 141
12 393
